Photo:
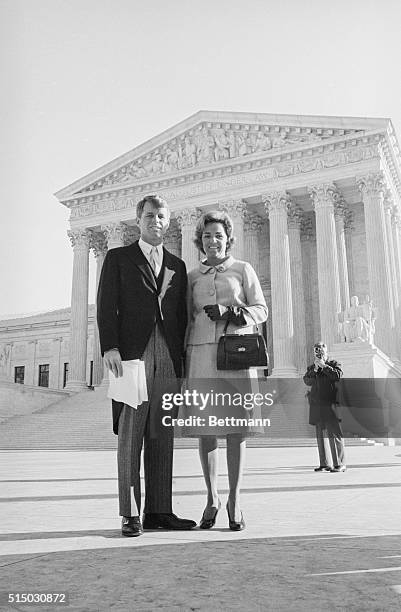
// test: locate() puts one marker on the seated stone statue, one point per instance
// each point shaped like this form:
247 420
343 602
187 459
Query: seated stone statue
358 322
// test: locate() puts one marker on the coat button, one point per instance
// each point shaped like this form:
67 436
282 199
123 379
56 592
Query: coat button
212 292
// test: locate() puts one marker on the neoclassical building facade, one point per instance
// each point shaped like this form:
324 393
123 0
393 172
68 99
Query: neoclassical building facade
35 349
316 204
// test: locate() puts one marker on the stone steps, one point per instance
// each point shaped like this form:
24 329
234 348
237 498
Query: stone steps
83 422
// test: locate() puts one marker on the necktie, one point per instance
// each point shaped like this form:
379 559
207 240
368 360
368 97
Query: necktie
153 259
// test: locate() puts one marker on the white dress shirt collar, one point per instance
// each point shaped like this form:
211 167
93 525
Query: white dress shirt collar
146 249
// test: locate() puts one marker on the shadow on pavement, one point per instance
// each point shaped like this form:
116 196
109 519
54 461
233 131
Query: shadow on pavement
253 575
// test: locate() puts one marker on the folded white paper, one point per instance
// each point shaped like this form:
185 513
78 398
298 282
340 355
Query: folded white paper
129 388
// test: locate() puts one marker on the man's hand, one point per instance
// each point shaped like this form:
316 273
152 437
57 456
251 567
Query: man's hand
112 360
215 312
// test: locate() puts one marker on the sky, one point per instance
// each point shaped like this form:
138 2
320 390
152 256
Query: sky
84 81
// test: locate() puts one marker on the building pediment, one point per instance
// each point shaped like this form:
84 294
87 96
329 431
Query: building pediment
209 139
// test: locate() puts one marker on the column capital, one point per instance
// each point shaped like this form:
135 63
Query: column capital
172 235
98 244
80 238
340 206
371 184
234 208
115 232
252 222
348 220
187 217
324 195
397 216
306 228
276 201
295 216
388 201
131 234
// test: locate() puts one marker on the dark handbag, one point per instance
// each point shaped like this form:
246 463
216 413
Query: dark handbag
241 351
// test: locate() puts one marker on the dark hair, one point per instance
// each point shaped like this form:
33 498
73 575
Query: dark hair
320 344
156 201
214 216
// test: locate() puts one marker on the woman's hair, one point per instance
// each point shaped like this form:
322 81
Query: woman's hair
214 216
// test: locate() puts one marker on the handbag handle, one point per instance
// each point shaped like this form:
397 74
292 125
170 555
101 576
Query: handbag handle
228 321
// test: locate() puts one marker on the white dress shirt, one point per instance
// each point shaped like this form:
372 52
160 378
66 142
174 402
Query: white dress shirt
146 249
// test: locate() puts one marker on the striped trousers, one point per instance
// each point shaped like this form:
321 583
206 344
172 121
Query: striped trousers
142 427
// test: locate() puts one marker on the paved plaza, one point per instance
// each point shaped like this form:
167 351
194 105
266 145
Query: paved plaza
313 541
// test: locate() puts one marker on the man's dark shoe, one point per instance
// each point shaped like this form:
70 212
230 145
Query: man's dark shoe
131 526
323 468
167 521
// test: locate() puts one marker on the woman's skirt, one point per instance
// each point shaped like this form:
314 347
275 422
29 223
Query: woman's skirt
218 402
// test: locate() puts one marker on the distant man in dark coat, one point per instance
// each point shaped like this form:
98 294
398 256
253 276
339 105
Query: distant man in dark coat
322 377
141 311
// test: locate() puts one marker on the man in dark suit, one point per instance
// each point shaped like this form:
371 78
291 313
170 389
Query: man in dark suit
141 311
322 377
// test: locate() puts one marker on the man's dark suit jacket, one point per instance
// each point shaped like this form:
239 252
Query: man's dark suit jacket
323 393
128 306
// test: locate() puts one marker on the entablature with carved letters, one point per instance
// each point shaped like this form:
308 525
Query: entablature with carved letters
211 152
209 137
298 169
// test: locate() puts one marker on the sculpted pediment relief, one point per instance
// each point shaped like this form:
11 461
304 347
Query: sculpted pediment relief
208 143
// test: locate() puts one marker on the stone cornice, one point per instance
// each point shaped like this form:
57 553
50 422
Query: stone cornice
159 181
296 125
228 166
266 170
390 153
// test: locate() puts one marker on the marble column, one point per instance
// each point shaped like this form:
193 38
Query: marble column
396 230
10 374
6 373
54 375
312 318
236 209
339 213
99 248
348 230
187 219
116 234
388 209
79 311
172 241
372 189
252 230
327 262
297 284
276 205
388 215
30 372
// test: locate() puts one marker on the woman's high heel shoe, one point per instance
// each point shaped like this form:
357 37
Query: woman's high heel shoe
209 523
234 525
